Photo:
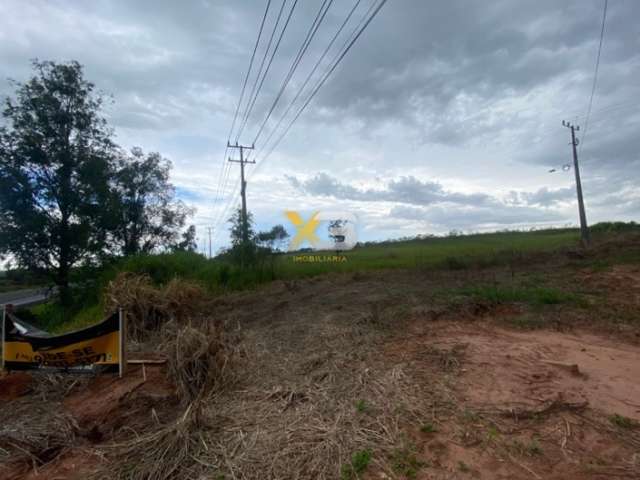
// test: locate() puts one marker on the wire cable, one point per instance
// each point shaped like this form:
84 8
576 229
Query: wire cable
223 177
246 77
595 75
252 101
264 58
324 78
266 71
322 12
348 44
315 67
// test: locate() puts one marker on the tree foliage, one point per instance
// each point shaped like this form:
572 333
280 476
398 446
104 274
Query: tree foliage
68 195
236 229
274 238
144 213
55 152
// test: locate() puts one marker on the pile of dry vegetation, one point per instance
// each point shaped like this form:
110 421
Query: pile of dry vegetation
173 321
150 308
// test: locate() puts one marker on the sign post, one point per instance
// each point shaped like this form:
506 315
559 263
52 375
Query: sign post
4 316
122 340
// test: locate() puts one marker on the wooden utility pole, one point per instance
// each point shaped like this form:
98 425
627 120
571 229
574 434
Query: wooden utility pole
584 229
243 187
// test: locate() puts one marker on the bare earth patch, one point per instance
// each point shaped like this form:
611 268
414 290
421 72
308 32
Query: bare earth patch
529 404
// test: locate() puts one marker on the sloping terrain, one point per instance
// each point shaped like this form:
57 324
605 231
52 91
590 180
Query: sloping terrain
526 371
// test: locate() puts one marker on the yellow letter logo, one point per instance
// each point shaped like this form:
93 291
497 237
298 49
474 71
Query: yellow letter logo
305 230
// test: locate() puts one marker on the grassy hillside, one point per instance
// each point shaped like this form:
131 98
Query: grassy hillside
218 276
437 252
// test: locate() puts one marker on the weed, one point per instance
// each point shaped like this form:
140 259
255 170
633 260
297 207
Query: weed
463 467
361 406
534 448
532 295
470 416
492 433
404 462
359 462
530 449
623 422
428 428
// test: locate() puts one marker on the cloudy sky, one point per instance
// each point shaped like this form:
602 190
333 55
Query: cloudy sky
443 115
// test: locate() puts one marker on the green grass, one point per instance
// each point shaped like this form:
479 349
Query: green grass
55 319
512 249
510 294
405 462
454 253
428 428
623 422
359 463
361 406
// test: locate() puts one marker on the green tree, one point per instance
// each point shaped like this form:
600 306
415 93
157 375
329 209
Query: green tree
55 161
188 242
273 238
241 252
144 214
237 228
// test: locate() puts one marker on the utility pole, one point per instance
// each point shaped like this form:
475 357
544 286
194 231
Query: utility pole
243 187
209 229
584 230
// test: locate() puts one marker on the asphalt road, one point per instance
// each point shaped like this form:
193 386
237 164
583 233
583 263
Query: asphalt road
26 297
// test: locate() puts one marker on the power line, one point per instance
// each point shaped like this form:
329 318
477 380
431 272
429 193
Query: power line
246 77
266 71
322 12
224 171
350 41
235 116
595 74
317 64
324 78
264 58
256 91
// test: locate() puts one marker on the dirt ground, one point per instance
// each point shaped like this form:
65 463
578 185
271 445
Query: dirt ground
376 376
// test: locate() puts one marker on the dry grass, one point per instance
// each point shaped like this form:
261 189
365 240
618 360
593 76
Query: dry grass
311 433
199 360
148 307
32 435
290 411
166 452
34 430
293 412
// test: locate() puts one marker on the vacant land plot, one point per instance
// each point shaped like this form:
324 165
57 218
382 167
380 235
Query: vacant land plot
521 370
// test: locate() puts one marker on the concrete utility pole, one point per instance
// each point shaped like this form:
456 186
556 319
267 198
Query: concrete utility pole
243 187
209 229
584 229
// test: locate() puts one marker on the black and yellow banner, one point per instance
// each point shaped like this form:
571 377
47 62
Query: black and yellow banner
26 348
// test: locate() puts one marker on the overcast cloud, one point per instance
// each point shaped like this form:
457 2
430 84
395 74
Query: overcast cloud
444 115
